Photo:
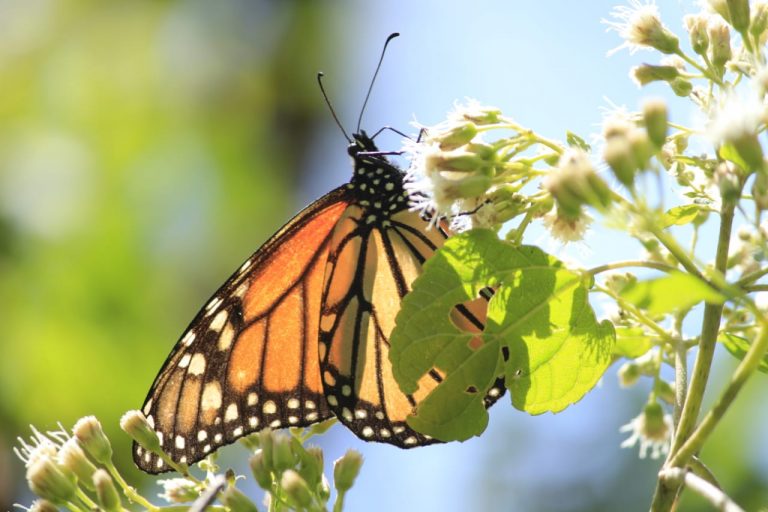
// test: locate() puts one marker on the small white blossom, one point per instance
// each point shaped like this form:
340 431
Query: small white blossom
639 24
178 490
445 171
652 429
736 117
566 229
39 446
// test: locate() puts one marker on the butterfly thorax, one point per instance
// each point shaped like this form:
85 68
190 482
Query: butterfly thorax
376 184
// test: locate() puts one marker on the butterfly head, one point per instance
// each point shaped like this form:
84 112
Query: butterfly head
361 143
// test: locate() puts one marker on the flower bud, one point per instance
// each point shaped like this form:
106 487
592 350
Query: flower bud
739 14
507 203
720 50
261 472
575 183
346 469
282 455
91 436
656 121
179 490
697 28
664 390
759 21
654 427
43 506
106 493
619 156
641 148
647 30
324 489
647 73
681 87
629 373
721 8
236 501
760 191
51 481
266 441
459 134
296 488
481 115
72 457
312 465
321 428
457 160
136 425
729 182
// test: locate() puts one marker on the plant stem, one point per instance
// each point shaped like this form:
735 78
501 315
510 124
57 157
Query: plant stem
745 370
677 251
717 498
666 492
632 263
129 491
681 378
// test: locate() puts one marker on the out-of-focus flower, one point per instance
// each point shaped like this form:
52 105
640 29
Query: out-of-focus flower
565 228
652 429
639 24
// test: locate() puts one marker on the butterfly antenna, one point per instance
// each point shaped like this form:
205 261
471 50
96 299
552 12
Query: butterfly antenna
373 80
320 76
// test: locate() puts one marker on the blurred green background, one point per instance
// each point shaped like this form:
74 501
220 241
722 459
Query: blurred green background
147 147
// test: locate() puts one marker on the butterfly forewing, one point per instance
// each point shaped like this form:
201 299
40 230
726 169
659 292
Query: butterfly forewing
250 357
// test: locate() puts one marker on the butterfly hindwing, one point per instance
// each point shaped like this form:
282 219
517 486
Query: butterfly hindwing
377 250
249 359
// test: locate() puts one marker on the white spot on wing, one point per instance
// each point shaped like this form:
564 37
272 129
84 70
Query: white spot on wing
218 321
211 306
184 361
270 407
179 442
293 403
227 335
211 396
197 364
253 398
188 338
231 413
367 431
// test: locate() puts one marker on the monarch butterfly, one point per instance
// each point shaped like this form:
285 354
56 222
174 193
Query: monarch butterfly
300 332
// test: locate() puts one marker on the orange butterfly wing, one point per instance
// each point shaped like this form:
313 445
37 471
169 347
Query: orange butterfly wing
250 357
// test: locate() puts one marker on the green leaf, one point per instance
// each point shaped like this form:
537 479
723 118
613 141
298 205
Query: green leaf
673 292
680 215
738 346
574 140
631 342
539 315
728 152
